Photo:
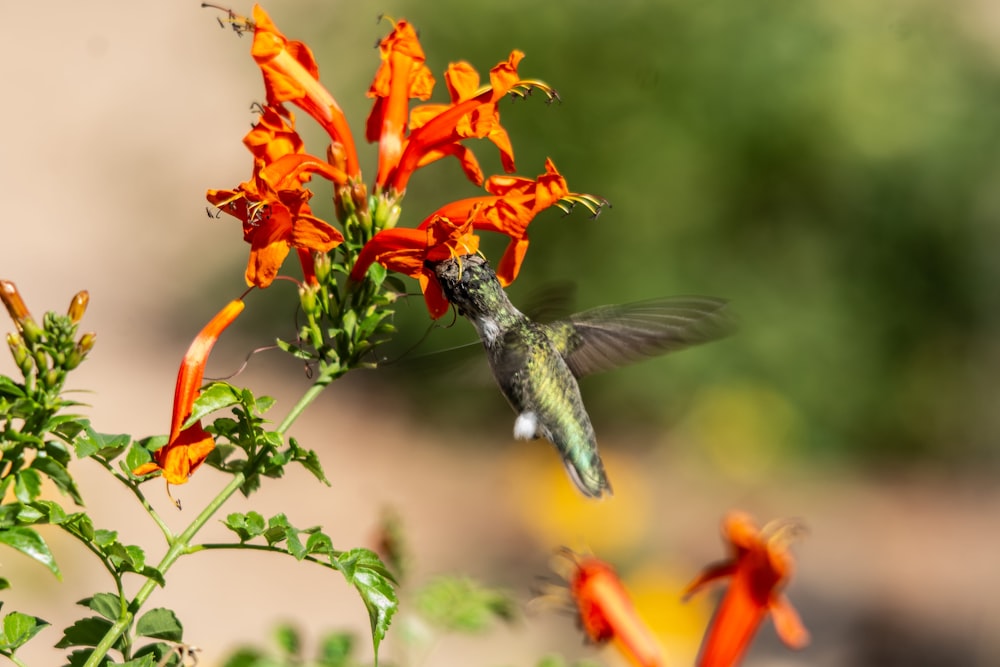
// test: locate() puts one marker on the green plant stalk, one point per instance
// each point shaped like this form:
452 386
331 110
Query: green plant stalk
180 545
14 659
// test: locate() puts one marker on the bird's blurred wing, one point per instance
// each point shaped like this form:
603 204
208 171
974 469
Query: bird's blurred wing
610 336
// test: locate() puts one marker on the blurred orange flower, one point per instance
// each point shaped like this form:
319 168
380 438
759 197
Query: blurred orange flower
759 568
606 612
187 448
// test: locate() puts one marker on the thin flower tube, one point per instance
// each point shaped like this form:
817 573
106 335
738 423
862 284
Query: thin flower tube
291 75
607 613
187 448
759 568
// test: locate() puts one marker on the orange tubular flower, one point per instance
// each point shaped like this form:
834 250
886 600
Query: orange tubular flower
408 251
401 77
291 75
759 568
186 449
437 129
273 206
448 232
606 612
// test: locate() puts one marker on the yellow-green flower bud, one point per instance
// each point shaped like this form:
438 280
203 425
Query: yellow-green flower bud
78 306
322 266
19 351
307 297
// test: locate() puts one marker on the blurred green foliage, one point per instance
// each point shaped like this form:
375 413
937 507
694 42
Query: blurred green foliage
830 167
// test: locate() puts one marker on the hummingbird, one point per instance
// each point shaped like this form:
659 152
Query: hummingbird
537 365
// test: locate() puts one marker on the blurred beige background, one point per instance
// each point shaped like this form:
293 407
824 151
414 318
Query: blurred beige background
118 116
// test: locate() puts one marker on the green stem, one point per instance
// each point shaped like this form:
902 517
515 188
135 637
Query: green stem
177 548
181 544
134 488
303 403
257 547
14 659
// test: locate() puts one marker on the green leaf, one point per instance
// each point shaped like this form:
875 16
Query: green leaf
156 651
104 538
335 650
18 629
308 459
27 485
458 604
79 659
30 543
4 585
57 473
89 442
363 570
85 632
141 452
249 657
288 640
377 273
79 524
159 624
10 388
107 605
247 526
217 396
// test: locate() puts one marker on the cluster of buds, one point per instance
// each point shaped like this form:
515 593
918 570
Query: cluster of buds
50 350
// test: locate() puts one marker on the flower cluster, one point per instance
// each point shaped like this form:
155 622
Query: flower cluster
273 205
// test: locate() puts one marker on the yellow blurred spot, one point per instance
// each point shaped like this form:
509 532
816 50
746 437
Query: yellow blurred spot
743 428
656 592
558 514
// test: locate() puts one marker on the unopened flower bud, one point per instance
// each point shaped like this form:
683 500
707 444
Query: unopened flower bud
359 195
53 378
322 265
307 297
78 306
19 351
79 353
18 311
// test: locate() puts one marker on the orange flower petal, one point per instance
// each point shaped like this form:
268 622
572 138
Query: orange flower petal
291 75
606 611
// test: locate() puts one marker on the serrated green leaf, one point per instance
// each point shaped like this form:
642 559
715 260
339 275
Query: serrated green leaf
104 538
27 485
140 453
79 524
216 396
160 624
308 459
156 650
367 573
246 526
18 629
320 543
106 604
51 511
151 572
58 473
31 544
85 632
136 557
458 604
288 640
89 442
